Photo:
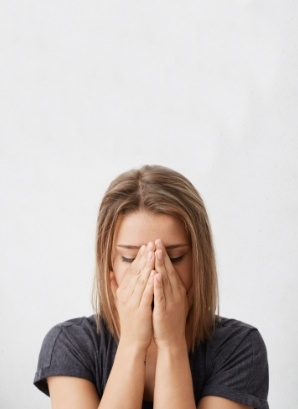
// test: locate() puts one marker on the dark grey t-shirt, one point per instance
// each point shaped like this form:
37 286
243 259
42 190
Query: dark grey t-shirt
233 364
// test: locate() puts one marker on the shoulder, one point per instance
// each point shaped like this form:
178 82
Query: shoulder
236 359
73 348
82 331
238 342
79 326
233 331
78 331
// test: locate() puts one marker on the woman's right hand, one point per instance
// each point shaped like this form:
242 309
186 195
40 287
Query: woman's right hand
133 299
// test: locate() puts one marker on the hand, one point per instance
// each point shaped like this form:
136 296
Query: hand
170 302
133 299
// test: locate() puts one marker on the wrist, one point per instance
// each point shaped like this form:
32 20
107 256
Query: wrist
172 348
133 349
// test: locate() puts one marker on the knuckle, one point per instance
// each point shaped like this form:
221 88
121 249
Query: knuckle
141 281
165 281
134 272
159 261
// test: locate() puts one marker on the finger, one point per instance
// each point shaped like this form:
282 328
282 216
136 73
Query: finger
161 269
143 278
172 276
146 262
159 296
140 262
138 274
147 296
159 253
133 270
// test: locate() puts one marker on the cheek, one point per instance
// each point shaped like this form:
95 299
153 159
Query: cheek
185 273
119 269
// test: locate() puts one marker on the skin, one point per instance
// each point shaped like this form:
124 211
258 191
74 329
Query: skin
152 261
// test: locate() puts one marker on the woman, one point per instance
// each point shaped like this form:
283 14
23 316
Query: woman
155 340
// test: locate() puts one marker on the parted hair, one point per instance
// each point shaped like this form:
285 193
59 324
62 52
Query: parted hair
158 190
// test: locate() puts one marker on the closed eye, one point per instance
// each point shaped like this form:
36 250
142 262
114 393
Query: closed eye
126 259
176 259
173 259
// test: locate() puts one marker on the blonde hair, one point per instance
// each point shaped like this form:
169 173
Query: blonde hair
158 190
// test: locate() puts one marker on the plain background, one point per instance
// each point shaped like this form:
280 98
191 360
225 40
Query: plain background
90 89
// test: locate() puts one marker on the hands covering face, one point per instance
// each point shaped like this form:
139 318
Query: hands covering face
151 279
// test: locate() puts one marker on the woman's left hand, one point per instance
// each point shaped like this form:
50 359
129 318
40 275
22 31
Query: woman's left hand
170 302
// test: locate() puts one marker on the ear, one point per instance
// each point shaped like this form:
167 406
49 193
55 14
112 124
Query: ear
113 282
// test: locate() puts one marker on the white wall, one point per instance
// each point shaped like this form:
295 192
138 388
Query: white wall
89 89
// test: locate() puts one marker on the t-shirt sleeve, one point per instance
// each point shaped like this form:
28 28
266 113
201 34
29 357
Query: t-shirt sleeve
66 351
238 367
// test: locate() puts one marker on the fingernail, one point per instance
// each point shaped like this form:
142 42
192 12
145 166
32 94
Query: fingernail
150 246
150 255
142 249
158 242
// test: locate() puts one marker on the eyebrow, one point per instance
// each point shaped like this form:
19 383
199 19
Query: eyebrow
171 246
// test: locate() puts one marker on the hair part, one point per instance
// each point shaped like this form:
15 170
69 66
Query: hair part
158 190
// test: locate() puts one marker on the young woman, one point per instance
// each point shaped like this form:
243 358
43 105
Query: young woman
155 340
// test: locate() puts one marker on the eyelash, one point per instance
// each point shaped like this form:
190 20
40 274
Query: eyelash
173 259
127 260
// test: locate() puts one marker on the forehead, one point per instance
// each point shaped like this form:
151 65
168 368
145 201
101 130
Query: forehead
140 227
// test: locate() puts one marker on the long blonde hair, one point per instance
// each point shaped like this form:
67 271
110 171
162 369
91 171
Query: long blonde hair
158 190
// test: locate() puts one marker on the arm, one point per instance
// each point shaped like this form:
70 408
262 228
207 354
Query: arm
78 393
173 379
133 299
214 402
72 393
125 385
